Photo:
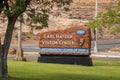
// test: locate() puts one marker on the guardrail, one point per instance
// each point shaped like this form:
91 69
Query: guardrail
104 45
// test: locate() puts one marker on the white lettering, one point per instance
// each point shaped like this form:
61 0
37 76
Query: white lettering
58 36
59 42
65 36
48 36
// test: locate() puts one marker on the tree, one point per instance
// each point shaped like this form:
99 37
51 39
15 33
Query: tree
109 19
13 9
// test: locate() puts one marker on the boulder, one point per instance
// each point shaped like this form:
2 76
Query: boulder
12 51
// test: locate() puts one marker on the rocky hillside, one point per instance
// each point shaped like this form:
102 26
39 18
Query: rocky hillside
81 11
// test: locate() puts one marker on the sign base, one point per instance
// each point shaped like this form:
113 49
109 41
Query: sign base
68 59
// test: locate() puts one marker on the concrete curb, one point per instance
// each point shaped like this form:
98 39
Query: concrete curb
106 54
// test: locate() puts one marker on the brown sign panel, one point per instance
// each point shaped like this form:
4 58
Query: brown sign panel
71 41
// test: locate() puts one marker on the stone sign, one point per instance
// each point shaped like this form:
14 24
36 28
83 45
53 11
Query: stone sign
69 41
69 45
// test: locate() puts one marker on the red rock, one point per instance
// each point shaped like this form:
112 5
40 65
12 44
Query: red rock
12 51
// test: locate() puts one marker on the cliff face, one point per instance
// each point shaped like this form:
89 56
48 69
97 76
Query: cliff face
81 11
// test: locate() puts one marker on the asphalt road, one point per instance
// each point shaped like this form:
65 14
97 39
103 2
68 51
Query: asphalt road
103 45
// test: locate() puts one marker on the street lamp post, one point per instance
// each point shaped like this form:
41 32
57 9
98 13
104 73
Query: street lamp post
95 31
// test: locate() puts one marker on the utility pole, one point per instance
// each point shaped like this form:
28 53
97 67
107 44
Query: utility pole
19 55
95 31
